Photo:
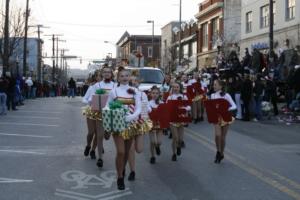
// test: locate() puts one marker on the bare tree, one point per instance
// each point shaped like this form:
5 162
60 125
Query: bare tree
16 32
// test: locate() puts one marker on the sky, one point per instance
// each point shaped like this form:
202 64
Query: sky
86 24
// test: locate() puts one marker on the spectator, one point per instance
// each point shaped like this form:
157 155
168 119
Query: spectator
11 92
3 96
246 95
258 93
29 84
270 94
72 87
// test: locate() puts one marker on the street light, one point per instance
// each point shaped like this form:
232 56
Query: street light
117 49
152 21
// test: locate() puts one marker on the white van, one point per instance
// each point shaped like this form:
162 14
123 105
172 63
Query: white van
149 77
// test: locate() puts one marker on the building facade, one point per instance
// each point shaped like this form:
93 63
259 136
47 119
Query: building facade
34 52
189 33
219 24
138 50
255 24
167 52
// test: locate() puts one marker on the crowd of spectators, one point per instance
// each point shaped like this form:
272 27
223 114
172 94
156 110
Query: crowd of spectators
14 90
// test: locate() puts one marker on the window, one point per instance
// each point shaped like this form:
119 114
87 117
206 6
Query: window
215 32
186 51
194 49
205 36
150 52
274 12
248 22
291 9
264 16
139 49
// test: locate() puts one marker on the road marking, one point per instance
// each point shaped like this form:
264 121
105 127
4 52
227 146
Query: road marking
83 180
9 180
31 117
103 196
24 135
246 167
22 152
46 112
28 124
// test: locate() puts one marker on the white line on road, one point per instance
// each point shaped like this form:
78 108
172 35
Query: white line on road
31 117
117 196
24 135
105 196
70 196
46 112
9 180
22 152
28 124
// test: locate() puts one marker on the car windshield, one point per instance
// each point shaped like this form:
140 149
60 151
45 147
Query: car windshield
151 76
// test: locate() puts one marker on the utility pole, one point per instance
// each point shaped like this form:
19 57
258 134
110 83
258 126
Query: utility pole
25 39
53 54
57 54
271 38
39 66
179 56
6 38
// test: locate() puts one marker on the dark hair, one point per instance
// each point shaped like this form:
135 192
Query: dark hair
120 69
180 87
156 88
111 71
222 84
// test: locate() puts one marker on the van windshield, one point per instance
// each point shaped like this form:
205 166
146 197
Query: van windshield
151 76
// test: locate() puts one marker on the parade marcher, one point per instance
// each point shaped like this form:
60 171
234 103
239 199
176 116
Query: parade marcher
91 118
177 129
165 91
144 126
156 132
185 83
123 141
221 128
197 105
106 84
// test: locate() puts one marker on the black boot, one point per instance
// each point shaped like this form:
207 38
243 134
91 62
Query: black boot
178 151
93 155
174 157
120 183
131 176
157 149
87 150
152 160
100 163
218 157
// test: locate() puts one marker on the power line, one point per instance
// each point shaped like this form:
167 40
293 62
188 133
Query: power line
100 25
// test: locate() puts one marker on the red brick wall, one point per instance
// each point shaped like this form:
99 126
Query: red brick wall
208 3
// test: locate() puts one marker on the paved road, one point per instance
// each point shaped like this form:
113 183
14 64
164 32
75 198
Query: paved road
41 158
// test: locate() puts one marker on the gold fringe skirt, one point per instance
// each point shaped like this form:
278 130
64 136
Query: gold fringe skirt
135 129
91 114
223 123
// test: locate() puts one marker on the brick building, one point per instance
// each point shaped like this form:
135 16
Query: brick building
130 46
219 24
